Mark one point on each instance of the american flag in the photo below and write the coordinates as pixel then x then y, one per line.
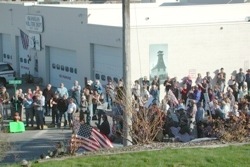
pixel 25 39
pixel 172 97
pixel 89 139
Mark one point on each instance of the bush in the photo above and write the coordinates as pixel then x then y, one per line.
pixel 233 129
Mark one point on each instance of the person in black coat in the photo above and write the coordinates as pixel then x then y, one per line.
pixel 104 126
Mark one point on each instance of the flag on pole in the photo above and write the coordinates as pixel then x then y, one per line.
pixel 90 139
pixel 25 39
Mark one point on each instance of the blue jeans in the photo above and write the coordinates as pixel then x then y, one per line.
pixel 62 115
pixel 29 115
pixel 39 118
pixel 69 118
pixel 109 101
pixel 55 116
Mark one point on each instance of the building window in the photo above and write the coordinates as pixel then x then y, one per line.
pixel 21 59
pixel 53 65
pixel 71 70
pixel 66 68
pixel 62 67
pixel 115 79
pixel 103 77
pixel 97 76
pixel 109 78
pixel 25 60
pixel 58 66
pixel 75 70
pixel 4 55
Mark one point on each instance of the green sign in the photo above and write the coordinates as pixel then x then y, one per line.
pixel 14 82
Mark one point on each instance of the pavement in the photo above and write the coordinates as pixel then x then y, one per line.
pixel 32 143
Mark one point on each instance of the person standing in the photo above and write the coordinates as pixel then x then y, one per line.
pixel 61 91
pixel 55 111
pixel 28 107
pixel 39 110
pixel 5 99
pixel 109 93
pixel 154 92
pixel 146 82
pixel 48 93
pixel 62 105
pixel 70 111
pixel 191 112
pixel 208 79
pixel 89 105
pixel 76 93
pixel 240 78
pixel 248 80
pixel 221 78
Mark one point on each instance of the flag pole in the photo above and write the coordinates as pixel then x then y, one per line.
pixel 127 124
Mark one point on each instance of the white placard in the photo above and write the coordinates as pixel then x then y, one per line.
pixel 34 41
pixel 34 23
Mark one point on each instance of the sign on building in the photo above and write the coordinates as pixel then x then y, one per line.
pixel 34 41
pixel 34 23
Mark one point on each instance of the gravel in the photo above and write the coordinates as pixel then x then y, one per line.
pixel 207 143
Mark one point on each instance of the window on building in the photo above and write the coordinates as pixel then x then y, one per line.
pixel 97 76
pixel 71 70
pixel 4 55
pixel 109 78
pixel 25 60
pixel 21 59
pixel 62 67
pixel 66 68
pixel 58 66
pixel 115 79
pixel 103 77
pixel 53 65
pixel 75 70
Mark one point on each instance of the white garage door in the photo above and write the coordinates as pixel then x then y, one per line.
pixel 107 63
pixel 62 67
pixel 7 52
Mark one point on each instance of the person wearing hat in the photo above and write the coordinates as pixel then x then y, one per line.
pixel 240 78
pixel 248 79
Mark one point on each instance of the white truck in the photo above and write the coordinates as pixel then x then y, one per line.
pixel 6 73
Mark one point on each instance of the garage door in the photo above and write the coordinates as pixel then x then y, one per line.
pixel 62 67
pixel 107 63
pixel 7 52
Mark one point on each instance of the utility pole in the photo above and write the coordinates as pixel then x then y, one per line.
pixel 127 115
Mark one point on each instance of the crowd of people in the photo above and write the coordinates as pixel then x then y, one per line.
pixel 190 103
pixel 194 99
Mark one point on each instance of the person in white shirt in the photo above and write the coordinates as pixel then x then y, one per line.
pixel 70 111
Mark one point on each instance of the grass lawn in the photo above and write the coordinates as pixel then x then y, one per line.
pixel 238 156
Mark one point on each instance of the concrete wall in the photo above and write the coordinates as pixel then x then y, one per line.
pixel 199 48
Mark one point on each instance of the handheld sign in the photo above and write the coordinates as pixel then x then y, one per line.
pixel 15 83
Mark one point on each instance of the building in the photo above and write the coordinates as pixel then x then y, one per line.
pixel 70 42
